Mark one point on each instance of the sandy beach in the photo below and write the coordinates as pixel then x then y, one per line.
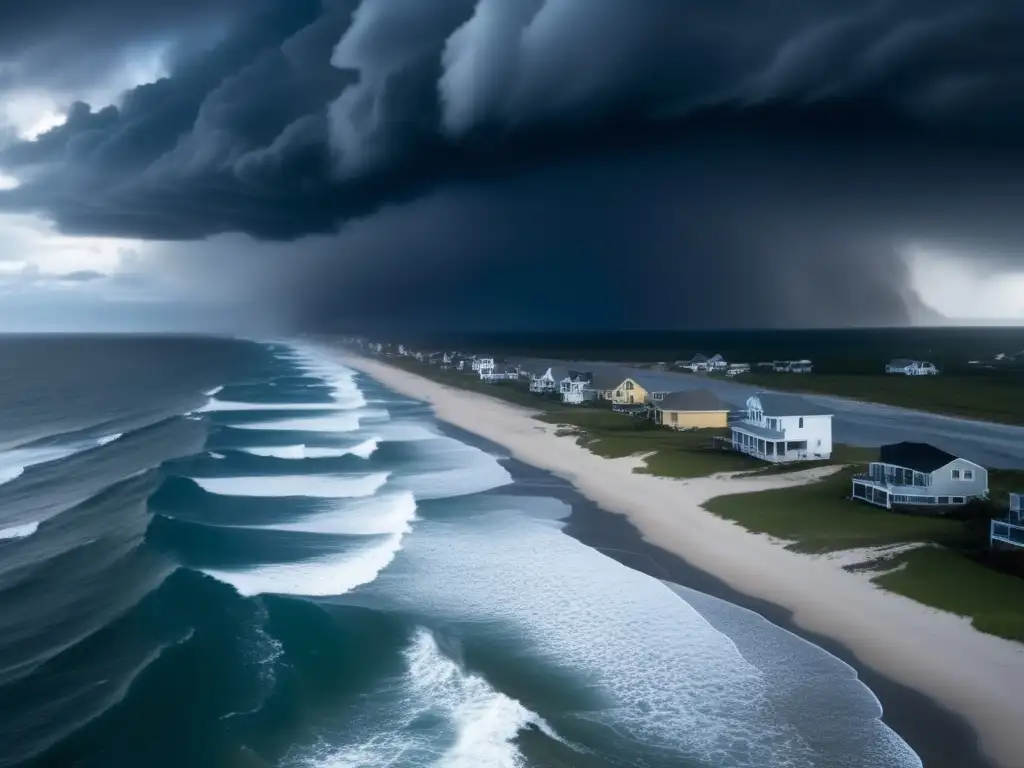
pixel 979 677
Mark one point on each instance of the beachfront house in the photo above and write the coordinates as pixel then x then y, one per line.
pixel 482 365
pixel 792 366
pixel 691 409
pixel 782 428
pixel 601 386
pixel 919 474
pixel 1009 530
pixel 637 390
pixel 575 388
pixel 502 373
pixel 911 367
pixel 696 363
pixel 735 369
pixel 548 381
pixel 717 363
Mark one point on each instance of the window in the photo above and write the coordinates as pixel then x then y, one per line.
pixel 968 474
pixel 675 418
pixel 958 499
pixel 956 474
pixel 943 499
pixel 801 425
pixel 629 385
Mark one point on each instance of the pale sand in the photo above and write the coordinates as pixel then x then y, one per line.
pixel 978 676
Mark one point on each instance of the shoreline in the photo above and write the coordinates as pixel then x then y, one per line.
pixel 902 649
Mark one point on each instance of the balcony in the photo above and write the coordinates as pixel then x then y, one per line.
pixel 893 488
pixel 1008 530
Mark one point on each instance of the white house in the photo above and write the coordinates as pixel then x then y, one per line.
pixel 548 381
pixel 716 363
pixel 919 474
pixel 781 428
pixel 505 374
pixel 575 388
pixel 696 363
pixel 482 365
pixel 735 369
pixel 911 367
pixel 1010 529
pixel 792 366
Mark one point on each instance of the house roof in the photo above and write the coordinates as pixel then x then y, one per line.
pixel 901 362
pixel 603 382
pixel 775 404
pixel 646 382
pixel 699 358
pixel 691 400
pixel 921 457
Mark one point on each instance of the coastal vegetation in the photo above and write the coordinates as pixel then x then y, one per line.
pixel 940 561
pixel 950 568
pixel 982 395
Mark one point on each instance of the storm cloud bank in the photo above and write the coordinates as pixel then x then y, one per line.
pixel 550 153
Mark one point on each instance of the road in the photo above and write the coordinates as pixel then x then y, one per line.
pixel 864 424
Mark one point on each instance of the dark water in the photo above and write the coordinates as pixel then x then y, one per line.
pixel 221 553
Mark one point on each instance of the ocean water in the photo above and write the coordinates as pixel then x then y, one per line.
pixel 220 553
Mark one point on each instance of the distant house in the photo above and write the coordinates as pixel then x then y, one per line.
pixel 716 363
pixel 735 369
pixel 691 409
pixel 792 366
pixel 782 428
pixel 1009 529
pixel 575 388
pixel 696 363
pixel 911 367
pixel 504 373
pixel 483 365
pixel 637 390
pixel 920 474
pixel 548 381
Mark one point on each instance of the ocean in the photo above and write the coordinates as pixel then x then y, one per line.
pixel 229 553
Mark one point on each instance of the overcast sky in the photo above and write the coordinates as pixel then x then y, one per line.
pixel 256 165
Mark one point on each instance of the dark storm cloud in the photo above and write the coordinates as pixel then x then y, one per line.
pixel 306 117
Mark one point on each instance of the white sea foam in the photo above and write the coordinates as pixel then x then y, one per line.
pixel 485 721
pixel 214 455
pixel 363 450
pixel 311 486
pixel 232 405
pixel 323 577
pixel 668 678
pixel 10 473
pixel 13 463
pixel 377 515
pixel 212 392
pixel 19 531
pixel 472 724
pixel 336 422
pixel 109 438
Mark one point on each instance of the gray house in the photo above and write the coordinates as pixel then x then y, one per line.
pixel 918 474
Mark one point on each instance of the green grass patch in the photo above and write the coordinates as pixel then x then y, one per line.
pixel 982 396
pixel 953 582
pixel 818 517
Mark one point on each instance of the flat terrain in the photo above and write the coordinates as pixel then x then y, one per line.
pixel 952 568
pixel 983 396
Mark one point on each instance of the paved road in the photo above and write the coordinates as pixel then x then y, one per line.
pixel 865 424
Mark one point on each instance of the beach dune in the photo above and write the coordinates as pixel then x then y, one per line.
pixel 979 677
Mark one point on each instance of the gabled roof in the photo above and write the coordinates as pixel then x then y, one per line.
pixel 698 358
pixel 775 404
pixel 920 457
pixel 901 362
pixel 691 400
pixel 646 382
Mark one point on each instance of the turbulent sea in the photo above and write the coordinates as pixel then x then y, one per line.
pixel 222 553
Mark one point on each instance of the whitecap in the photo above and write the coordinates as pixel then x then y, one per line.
pixel 10 473
pixel 214 455
pixel 378 515
pixel 323 577
pixel 19 531
pixel 363 450
pixel 109 438
pixel 336 422
pixel 232 405
pixel 310 486
pixel 212 392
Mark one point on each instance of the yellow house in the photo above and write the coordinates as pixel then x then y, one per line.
pixel 692 409
pixel 633 392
